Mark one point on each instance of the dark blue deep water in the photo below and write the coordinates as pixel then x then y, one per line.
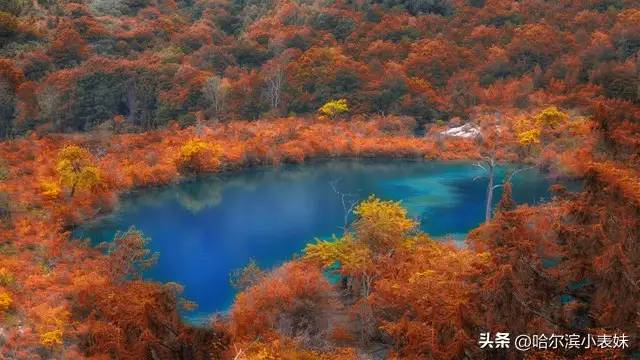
pixel 205 228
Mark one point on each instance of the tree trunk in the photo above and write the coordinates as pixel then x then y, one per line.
pixel 490 188
pixel 73 189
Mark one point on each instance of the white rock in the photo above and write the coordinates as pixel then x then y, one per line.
pixel 464 131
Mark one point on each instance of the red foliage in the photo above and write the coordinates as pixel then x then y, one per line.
pixel 436 60
pixel 68 46
pixel 11 73
pixel 490 63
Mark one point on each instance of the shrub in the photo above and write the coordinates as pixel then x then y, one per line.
pixel 293 300
pixel 334 108
pixel 199 156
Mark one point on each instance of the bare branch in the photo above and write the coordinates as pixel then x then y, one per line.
pixel 480 166
pixel 348 201
pixel 515 172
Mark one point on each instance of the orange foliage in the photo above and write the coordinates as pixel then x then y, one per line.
pixel 75 278
pixel 294 300
pixel 421 296
pixel 494 64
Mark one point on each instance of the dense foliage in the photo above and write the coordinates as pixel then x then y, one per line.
pixel 79 64
pixel 172 88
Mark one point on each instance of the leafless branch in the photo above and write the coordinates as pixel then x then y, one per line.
pixel 516 171
pixel 348 201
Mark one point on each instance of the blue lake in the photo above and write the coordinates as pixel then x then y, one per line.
pixel 206 228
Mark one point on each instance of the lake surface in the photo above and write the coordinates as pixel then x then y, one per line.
pixel 206 228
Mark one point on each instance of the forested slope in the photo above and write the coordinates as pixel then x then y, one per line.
pixel 99 97
pixel 75 65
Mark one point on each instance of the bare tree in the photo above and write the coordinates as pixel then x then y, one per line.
pixel 275 77
pixel 215 91
pixel 488 165
pixel 274 86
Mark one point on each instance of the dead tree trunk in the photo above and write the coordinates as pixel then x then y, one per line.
pixel 488 165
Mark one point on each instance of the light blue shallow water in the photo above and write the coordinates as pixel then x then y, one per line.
pixel 208 227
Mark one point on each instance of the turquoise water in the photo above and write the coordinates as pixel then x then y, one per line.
pixel 206 228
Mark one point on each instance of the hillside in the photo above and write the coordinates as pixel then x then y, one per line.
pixel 103 98
pixel 76 65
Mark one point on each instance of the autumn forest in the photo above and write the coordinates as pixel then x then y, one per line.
pixel 101 99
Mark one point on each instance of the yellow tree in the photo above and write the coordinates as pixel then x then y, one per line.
pixel 530 131
pixel 5 300
pixel 382 224
pixel 380 228
pixel 550 117
pixel 529 137
pixel 333 108
pixel 76 169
